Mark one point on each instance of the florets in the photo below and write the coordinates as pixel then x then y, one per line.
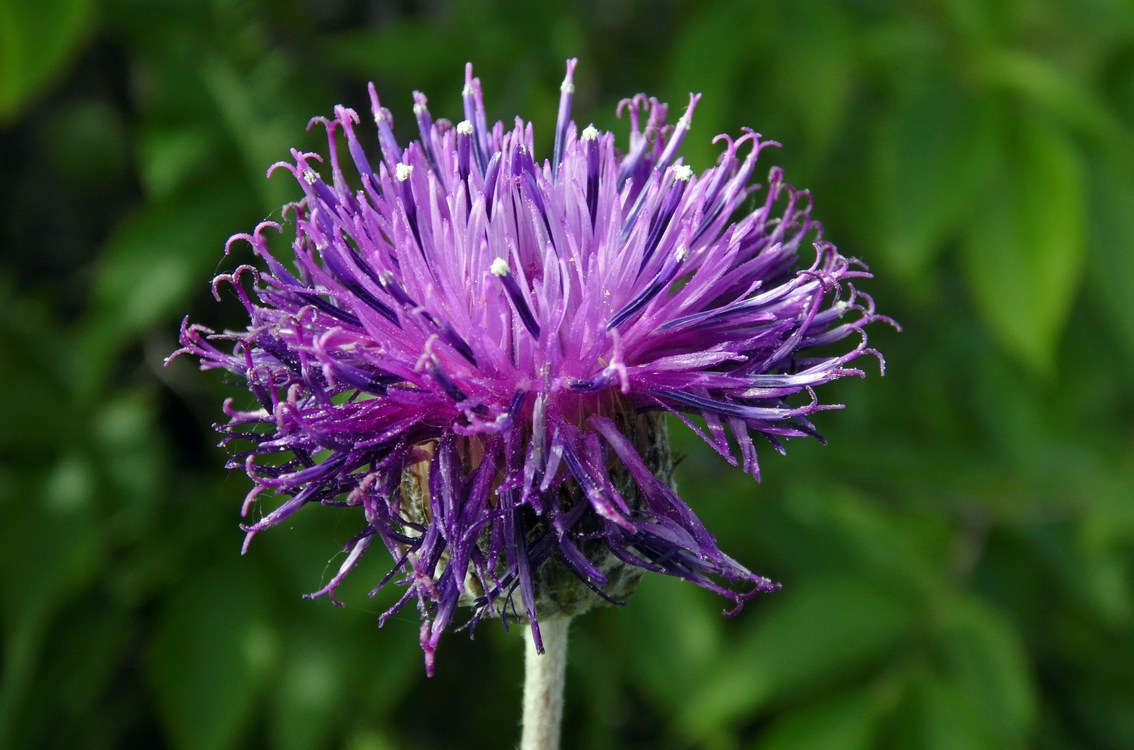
pixel 472 352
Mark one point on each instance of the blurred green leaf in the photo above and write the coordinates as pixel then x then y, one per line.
pixel 410 50
pixel 37 40
pixel 87 649
pixel 847 721
pixel 151 264
pixel 1055 90
pixel 933 154
pixel 1024 248
pixel 669 618
pixel 32 535
pixel 309 692
pixel 370 740
pixel 811 636
pixel 1112 245
pixel 88 144
pixel 211 656
pixel 332 655
pixel 1091 578
pixel 979 24
pixel 1100 700
pixel 254 110
pixel 816 48
pixel 906 551
pixel 171 154
pixel 37 364
pixel 1109 587
pixel 131 449
pixel 938 714
pixel 983 651
pixel 599 670
pixel 38 575
pixel 1109 527
pixel 736 35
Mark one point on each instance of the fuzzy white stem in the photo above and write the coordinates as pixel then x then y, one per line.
pixel 543 684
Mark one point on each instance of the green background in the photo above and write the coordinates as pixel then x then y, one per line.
pixel 958 562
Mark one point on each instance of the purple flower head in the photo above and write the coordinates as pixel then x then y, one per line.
pixel 473 352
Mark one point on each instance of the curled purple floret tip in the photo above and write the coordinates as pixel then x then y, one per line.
pixel 472 351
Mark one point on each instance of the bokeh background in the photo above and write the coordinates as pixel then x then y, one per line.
pixel 958 562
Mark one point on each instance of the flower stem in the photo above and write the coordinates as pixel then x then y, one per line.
pixel 543 684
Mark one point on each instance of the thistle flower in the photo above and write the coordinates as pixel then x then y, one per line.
pixel 472 353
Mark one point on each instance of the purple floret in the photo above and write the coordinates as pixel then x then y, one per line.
pixel 464 347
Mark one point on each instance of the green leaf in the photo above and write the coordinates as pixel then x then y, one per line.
pixel 671 617
pixel 845 529
pixel 37 364
pixel 1054 89
pixel 938 714
pixel 131 450
pixel 335 661
pixel 254 108
pixel 309 692
pixel 37 40
pixel 410 50
pixel 86 143
pixel 39 574
pixel 735 35
pixel 847 721
pixel 88 646
pixel 983 651
pixel 805 638
pixel 817 50
pixel 1091 579
pixel 211 655
pixel 1112 245
pixel 171 154
pixel 933 154
pixel 1023 250
pixel 151 265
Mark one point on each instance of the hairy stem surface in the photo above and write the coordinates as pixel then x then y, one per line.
pixel 543 684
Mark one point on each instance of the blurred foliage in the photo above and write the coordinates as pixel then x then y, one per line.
pixel 958 564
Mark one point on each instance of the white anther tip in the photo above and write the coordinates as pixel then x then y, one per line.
pixel 500 267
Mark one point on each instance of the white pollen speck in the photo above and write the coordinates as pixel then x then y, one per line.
pixel 589 133
pixel 418 109
pixel 467 90
pixel 464 127
pixel 682 172
pixel 681 254
pixel 567 87
pixel 500 267
pixel 683 122
pixel 309 176
pixel 402 171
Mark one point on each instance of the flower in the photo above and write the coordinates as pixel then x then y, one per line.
pixel 473 353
